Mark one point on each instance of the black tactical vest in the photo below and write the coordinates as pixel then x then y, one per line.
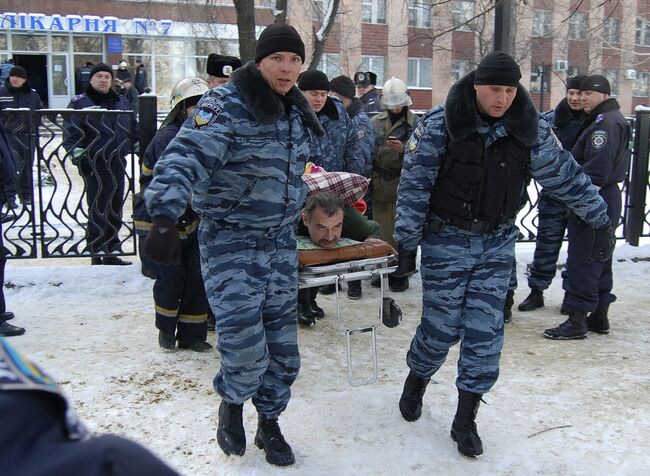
pixel 479 186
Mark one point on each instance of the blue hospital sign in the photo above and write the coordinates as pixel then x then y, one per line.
pixel 114 44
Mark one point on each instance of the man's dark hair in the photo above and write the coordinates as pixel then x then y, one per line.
pixel 326 200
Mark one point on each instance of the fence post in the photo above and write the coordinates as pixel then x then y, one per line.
pixel 147 119
pixel 638 177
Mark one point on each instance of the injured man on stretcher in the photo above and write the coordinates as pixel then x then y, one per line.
pixel 328 224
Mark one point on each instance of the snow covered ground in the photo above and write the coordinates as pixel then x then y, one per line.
pixel 578 407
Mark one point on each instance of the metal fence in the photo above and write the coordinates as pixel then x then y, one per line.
pixel 71 208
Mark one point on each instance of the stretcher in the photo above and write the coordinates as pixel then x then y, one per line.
pixel 324 273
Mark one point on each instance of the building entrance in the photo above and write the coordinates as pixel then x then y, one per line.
pixel 36 67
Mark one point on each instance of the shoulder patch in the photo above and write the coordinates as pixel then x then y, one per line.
pixel 414 140
pixel 361 133
pixel 207 112
pixel 598 139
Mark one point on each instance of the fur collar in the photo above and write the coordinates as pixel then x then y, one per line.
pixel 462 117
pixel 101 98
pixel 329 109
pixel 355 107
pixel 266 105
pixel 563 114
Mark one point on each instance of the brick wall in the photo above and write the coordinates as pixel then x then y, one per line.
pixel 374 39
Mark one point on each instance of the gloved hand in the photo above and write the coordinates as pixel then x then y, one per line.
pixel 604 243
pixel 405 262
pixel 162 243
pixel 81 160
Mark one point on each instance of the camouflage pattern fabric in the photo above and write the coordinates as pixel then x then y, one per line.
pixel 339 149
pixel 553 221
pixel 365 133
pixel 465 275
pixel 241 155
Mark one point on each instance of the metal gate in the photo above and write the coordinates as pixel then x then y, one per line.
pixel 75 183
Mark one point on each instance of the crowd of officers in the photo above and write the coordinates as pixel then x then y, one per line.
pixel 222 195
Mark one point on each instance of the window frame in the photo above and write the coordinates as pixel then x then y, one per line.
pixel 419 75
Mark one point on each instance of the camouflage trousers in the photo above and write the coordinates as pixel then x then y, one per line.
pixel 251 284
pixel 465 278
pixel 551 228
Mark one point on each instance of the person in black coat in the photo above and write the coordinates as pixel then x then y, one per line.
pixel 141 81
pixel 7 179
pixel 98 145
pixel 40 433
pixel 17 94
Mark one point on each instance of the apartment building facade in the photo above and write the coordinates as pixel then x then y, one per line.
pixel 427 43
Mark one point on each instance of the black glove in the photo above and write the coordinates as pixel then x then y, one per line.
pixel 604 243
pixel 162 244
pixel 405 262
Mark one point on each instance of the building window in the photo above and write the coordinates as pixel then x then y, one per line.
pixel 462 14
pixel 373 11
pixel 642 32
pixel 612 77
pixel 420 13
pixel 640 85
pixel 330 64
pixel 537 74
pixel 419 73
pixel 460 68
pixel 542 23
pixel 612 31
pixel 578 26
pixel 376 65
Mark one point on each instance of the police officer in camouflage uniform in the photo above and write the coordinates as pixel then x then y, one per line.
pixel 339 149
pixel 602 150
pixel 342 88
pixel 465 169
pixel 566 121
pixel 240 156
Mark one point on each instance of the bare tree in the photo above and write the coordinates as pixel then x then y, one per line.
pixel 246 27
pixel 280 12
pixel 322 34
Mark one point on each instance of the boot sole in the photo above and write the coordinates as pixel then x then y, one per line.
pixel 260 444
pixel 599 331
pixel 409 418
pixel 528 309
pixel 466 455
pixel 565 338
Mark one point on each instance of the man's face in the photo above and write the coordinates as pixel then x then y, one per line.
pixel 281 70
pixel 591 99
pixel 101 81
pixel 573 99
pixel 323 230
pixel 214 81
pixel 361 89
pixel 396 110
pixel 316 98
pixel 16 81
pixel 494 100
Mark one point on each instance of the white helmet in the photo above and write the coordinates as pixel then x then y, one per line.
pixel 182 90
pixel 394 94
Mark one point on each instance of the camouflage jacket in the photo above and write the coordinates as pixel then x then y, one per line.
pixel 339 149
pixel 242 153
pixel 365 133
pixel 550 165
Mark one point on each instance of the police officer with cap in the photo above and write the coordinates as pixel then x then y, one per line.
pixel 602 150
pixel 466 167
pixel 219 69
pixel 365 83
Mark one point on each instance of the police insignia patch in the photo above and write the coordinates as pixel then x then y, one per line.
pixel 207 113
pixel 361 133
pixel 599 139
pixel 414 141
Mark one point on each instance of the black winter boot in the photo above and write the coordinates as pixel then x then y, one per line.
pixel 313 293
pixel 354 290
pixel 463 430
pixel 410 403
pixel 507 306
pixel 398 285
pixel 166 340
pixel 597 321
pixel 535 300
pixel 575 327
pixel 306 315
pixel 269 438
pixel 230 432
pixel 8 330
